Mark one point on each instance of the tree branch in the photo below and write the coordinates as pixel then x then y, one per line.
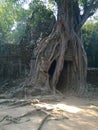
pixel 89 11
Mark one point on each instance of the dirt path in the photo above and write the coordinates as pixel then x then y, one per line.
pixel 49 113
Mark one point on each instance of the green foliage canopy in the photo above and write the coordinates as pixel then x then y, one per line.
pixel 11 12
pixel 90 37
pixel 41 20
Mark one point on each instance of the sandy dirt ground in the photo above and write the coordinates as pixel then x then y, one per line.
pixel 49 113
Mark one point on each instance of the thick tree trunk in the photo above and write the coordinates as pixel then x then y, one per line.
pixel 61 60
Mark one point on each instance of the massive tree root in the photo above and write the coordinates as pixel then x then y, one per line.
pixel 60 63
pixel 61 60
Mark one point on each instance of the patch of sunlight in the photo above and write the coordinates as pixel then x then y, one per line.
pixel 64 107
pixel 45 106
pixel 68 108
pixel 93 112
pixel 93 106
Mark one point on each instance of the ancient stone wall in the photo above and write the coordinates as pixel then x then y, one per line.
pixel 92 76
pixel 11 61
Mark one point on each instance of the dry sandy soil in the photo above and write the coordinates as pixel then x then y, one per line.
pixel 49 113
